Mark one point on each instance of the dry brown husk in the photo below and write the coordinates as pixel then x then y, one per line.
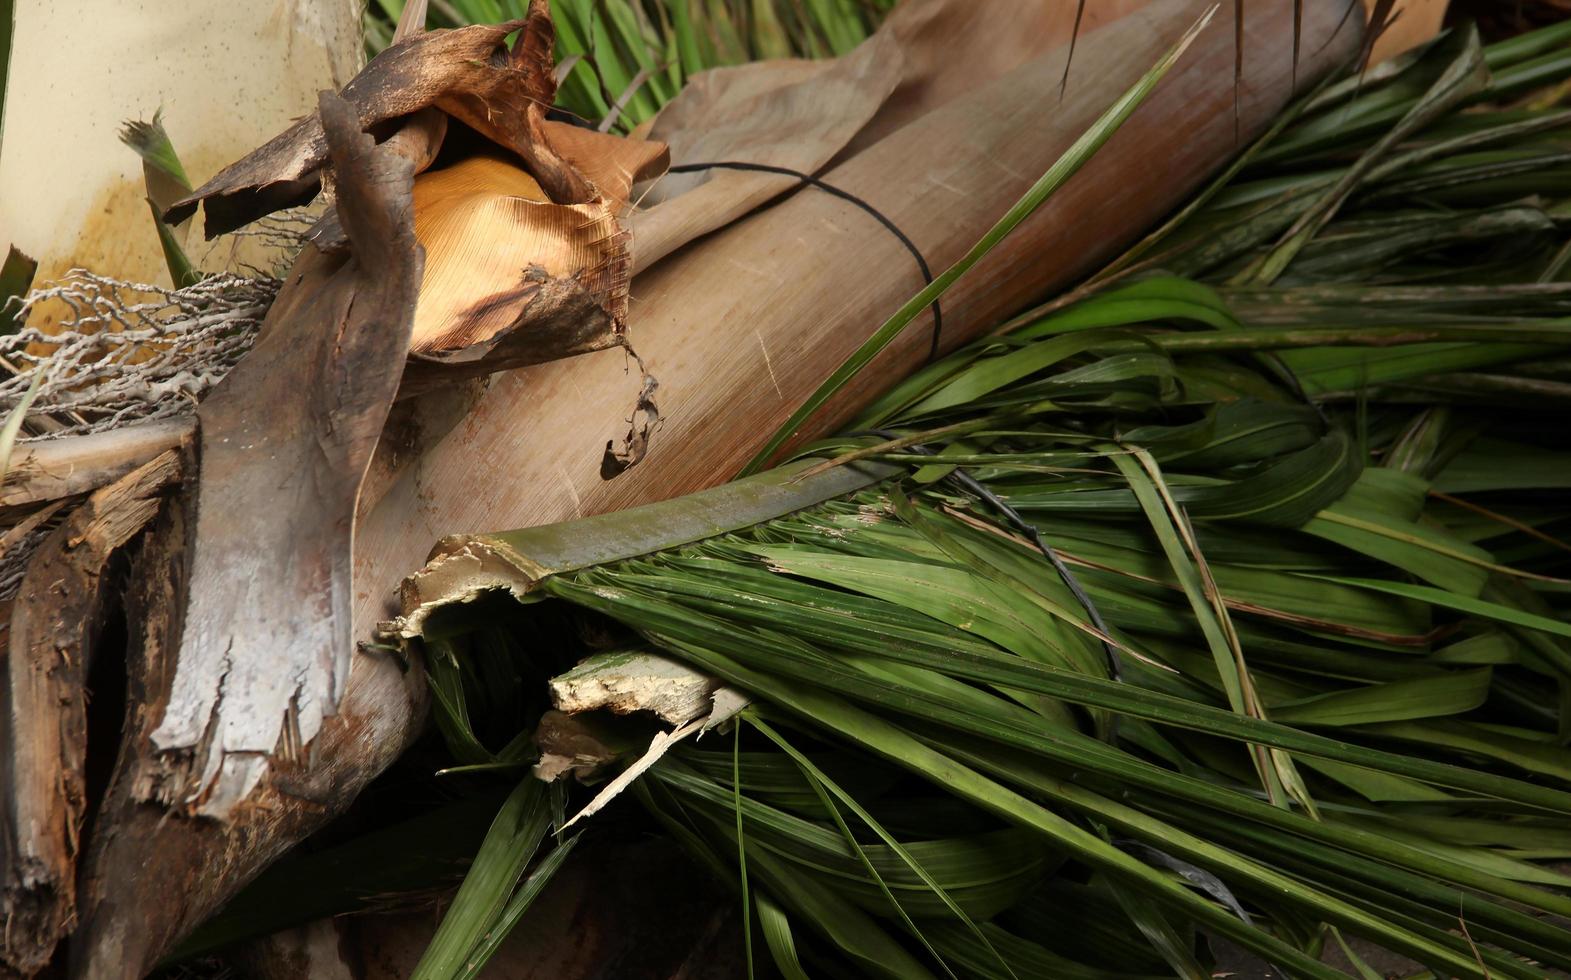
pixel 925 55
pixel 467 217
pixel 484 218
pixel 738 326
pixel 771 112
pixel 422 92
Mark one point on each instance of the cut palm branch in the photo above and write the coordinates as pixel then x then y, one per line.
pixel 1382 572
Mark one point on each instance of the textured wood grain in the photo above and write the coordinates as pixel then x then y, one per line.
pixel 56 621
pixel 60 468
pixel 285 441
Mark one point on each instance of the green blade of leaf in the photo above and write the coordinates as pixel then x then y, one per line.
pixel 482 904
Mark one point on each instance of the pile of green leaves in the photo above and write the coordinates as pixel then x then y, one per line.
pixel 1302 456
pixel 624 59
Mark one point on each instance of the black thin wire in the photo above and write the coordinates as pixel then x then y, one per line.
pixel 847 196
pixel 1011 516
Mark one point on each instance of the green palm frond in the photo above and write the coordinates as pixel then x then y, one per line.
pixel 1281 450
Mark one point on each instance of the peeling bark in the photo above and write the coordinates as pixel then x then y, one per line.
pixel 55 626
pixel 152 872
pixel 285 441
pixel 641 426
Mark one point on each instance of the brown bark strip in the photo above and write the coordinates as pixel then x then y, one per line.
pixel 285 443
pixel 151 871
pixel 55 624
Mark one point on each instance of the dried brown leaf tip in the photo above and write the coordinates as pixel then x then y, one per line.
pixel 519 216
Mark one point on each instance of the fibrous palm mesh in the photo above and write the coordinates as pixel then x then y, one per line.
pixel 128 352
pixel 118 353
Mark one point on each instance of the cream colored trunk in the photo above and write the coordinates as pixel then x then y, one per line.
pixel 70 193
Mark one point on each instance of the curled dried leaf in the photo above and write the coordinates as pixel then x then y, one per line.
pixel 640 426
pixel 526 259
pixel 500 255
pixel 469 73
